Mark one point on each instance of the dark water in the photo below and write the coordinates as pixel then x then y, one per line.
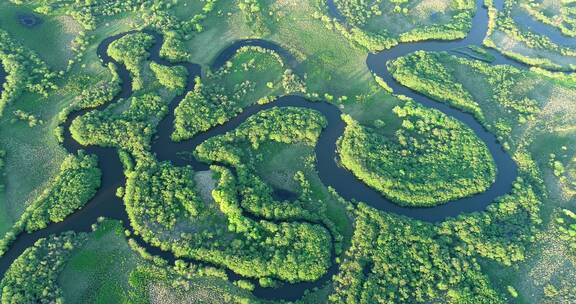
pixel 29 20
pixel 2 77
pixel 106 204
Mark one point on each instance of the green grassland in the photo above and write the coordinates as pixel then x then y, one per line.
pixel 51 39
pixel 98 271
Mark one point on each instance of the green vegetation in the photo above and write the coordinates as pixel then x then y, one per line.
pixel 456 81
pixel 262 211
pixel 253 75
pixel 529 112
pixel 431 159
pixel 567 228
pixel 424 72
pixel 559 14
pixel 77 182
pixel 173 78
pixel 26 72
pixel 290 251
pixel 394 260
pixel 130 130
pixel 76 268
pixel 132 51
pixel 379 25
pixel 98 95
pixel 32 276
pixel 70 190
pixel 512 40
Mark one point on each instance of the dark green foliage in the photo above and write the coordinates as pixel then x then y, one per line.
pixel 363 29
pixel 173 48
pixel 129 129
pixel 132 51
pixel 162 194
pixel 76 183
pixel 290 251
pixel 434 75
pixel 423 72
pixel 26 72
pixel 98 95
pixel 242 81
pixel 286 125
pixel 394 260
pixel 32 277
pixel 504 231
pixel 238 148
pixel 173 78
pixel 431 159
pixel 253 248
pixel 567 228
pixel 74 186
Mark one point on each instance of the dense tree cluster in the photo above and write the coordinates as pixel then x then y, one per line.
pixel 132 51
pixel 161 194
pixel 173 48
pixel 173 78
pixel 240 147
pixel 130 129
pixel 182 223
pixel 97 95
pixel 423 72
pixel 431 159
pixel 253 75
pixel 26 72
pixel 434 75
pixel 224 235
pixel 32 278
pixel 75 184
pixel 359 15
pixel 286 125
pixel 504 231
pixel 394 260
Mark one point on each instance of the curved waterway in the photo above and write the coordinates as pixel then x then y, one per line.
pixel 2 77
pixel 525 20
pixel 106 204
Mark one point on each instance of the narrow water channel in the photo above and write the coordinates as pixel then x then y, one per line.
pixel 106 204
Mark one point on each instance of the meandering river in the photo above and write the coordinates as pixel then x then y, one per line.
pixel 106 204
